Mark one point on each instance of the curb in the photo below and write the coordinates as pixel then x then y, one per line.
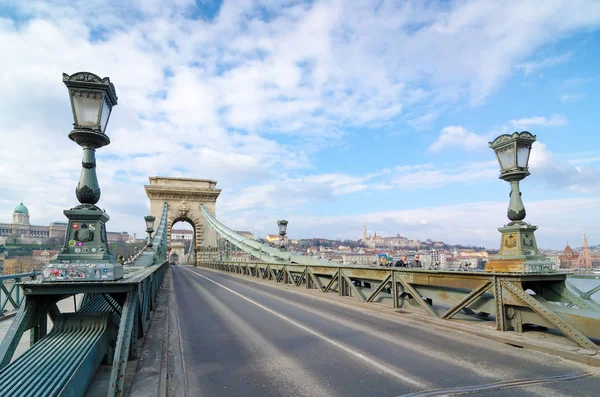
pixel 150 377
pixel 510 338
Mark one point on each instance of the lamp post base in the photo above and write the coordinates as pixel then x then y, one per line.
pixel 518 251
pixel 85 255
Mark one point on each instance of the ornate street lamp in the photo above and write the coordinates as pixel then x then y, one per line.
pixel 149 228
pixel 92 100
pixel 85 255
pixel 282 225
pixel 518 248
pixel 512 152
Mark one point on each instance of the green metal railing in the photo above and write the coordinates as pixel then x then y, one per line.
pixel 11 294
pixel 106 329
pixel 501 297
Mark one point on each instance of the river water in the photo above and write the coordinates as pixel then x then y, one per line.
pixel 586 284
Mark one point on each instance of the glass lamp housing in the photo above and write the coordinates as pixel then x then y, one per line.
pixel 282 224
pixel 523 152
pixel 149 223
pixel 92 100
pixel 512 151
pixel 506 157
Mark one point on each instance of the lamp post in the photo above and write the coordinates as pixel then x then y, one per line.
pixel 149 228
pixel 518 248
pixel 282 225
pixel 85 255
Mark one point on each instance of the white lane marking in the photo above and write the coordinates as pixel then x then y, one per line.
pixel 368 360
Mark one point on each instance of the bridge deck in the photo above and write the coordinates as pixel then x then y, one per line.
pixel 242 337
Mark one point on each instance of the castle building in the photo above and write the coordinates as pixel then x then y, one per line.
pixel 398 241
pixel 21 227
pixel 20 231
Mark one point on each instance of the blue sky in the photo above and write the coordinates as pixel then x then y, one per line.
pixel 330 114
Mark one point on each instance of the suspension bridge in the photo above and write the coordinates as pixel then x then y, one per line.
pixel 281 323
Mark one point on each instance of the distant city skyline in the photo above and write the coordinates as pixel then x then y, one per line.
pixel 321 113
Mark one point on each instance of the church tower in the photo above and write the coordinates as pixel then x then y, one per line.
pixel 364 233
pixel 585 259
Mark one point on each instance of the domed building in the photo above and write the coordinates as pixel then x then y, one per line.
pixel 22 232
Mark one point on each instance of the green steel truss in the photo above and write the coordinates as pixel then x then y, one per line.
pixel 105 329
pixel 512 300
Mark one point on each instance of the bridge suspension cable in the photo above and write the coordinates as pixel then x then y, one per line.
pixel 264 252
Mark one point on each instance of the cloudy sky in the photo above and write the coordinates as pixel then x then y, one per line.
pixel 330 114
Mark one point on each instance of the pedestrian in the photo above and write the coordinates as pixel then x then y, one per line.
pixel 416 262
pixel 402 262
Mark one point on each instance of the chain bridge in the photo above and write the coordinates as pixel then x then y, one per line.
pixel 281 323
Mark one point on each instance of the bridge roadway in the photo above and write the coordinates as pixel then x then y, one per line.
pixel 244 338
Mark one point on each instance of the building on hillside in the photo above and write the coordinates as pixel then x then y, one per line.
pixel 398 241
pixel 21 228
pixel 117 237
pixel 274 238
pixel 43 256
pixel 20 231
pixel 246 234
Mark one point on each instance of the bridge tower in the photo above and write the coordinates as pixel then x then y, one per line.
pixel 184 196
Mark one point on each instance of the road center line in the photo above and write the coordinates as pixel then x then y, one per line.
pixel 346 349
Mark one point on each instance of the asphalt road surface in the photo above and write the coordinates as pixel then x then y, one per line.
pixel 243 338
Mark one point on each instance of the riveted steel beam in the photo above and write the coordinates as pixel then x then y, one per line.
pixel 380 288
pixel 420 300
pixel 550 316
pixel 470 298
pixel 301 278
pixel 316 279
pixel 128 316
pixel 478 291
pixel 355 291
pixel 333 280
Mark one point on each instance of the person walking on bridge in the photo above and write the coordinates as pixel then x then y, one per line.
pixel 416 262
pixel 402 262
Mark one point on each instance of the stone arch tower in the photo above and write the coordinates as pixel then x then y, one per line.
pixel 184 196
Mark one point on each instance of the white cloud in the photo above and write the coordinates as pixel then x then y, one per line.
pixel 459 137
pixel 429 177
pixel 476 223
pixel 571 97
pixel 211 98
pixel 530 67
pixel 567 175
pixel 554 121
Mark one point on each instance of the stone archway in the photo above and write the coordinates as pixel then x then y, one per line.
pixel 178 251
pixel 184 196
